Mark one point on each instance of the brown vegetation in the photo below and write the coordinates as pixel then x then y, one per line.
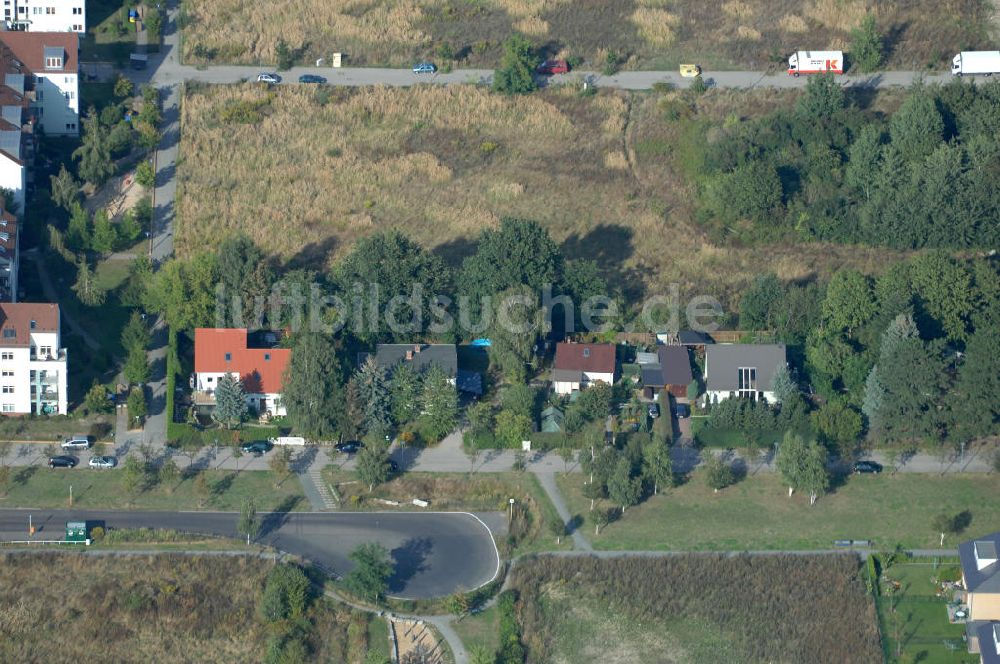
pixel 698 608
pixel 648 33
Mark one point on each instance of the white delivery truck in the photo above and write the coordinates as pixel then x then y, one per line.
pixel 976 62
pixel 816 62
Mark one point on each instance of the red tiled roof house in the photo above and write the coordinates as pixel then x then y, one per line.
pixel 219 351
pixel 578 365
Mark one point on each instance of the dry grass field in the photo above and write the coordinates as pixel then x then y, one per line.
pixel 306 176
pixel 648 33
pixel 162 608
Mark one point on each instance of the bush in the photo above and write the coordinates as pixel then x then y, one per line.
pixel 144 174
pixel 516 73
pixel 866 45
pixel 286 593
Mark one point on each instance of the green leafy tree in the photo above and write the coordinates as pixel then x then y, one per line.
pixel 760 301
pixel 512 428
pixel 144 174
pixel 140 273
pixel 78 230
pixel 657 467
pixel 283 55
pixel 136 405
pixel 623 488
pixel 517 322
pixel 516 73
pixel 802 464
pixel 864 161
pixel 65 189
pixel 94 154
pixel 183 292
pixel 103 240
pixel 373 465
pixel 838 424
pixel 168 474
pixel 373 389
pixel 123 87
pixel 752 191
pixel 286 593
pixel 246 279
pixel 230 402
pixel 405 387
pixel 440 401
pixel 822 100
pixel 783 385
pixel 86 287
pixel 866 45
pixel 96 400
pixel 917 128
pixel 136 333
pixel 944 290
pixel 249 524
pixel 372 569
pixel 975 405
pixel 849 302
pixel 312 391
pixel 480 416
pixel 718 474
pixel 133 475
pixel 593 492
pixel 519 399
pixel 280 465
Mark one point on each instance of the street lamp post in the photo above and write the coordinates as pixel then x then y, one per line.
pixel 511 511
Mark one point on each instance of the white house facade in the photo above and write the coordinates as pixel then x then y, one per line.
pixel 579 365
pixel 742 370
pixel 46 15
pixel 49 63
pixel 33 366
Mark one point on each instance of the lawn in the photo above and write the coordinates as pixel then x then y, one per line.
pixel 54 428
pixel 33 486
pixel 757 514
pixel 642 33
pixel 110 37
pixel 164 608
pixel 918 629
pixel 479 629
pixel 444 163
pixel 695 608
pixel 460 492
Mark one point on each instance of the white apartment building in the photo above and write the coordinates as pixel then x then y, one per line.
pixel 45 15
pixel 48 61
pixel 33 367
pixel 9 256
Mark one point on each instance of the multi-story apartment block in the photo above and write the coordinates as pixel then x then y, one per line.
pixel 48 63
pixel 9 256
pixel 45 15
pixel 33 366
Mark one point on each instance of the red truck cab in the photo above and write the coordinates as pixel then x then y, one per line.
pixel 550 67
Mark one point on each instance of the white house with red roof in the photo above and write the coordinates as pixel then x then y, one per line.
pixel 578 365
pixel 33 370
pixel 261 367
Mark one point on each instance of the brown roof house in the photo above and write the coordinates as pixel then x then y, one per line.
pixel 578 365
pixel 671 372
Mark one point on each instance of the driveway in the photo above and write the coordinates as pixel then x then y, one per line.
pixel 434 554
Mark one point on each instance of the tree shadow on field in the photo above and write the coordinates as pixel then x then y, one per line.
pixel 610 246
pixel 313 255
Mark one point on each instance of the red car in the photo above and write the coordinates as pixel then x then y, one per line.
pixel 550 67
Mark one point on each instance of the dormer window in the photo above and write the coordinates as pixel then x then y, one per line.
pixel 267 357
pixel 9 333
pixel 54 57
pixel 33 325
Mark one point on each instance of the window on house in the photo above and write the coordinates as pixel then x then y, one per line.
pixel 50 10
pixel 7 373
pixel 33 324
pixel 53 63
pixel 8 389
pixel 78 10
pixel 267 357
pixel 9 333
pixel 38 94
pixel 586 352
pixel 747 381
pixel 209 379
pixel 8 408
pixel 6 356
pixel 229 357
pixel 45 350
pixel 71 126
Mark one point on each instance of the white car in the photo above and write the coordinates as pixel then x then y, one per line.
pixel 76 443
pixel 268 77
pixel 103 462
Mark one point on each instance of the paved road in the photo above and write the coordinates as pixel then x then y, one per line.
pixel 434 553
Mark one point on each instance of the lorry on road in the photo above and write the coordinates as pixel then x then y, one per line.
pixel 816 62
pixel 976 62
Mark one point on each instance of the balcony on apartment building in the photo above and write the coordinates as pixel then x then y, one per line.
pixel 47 355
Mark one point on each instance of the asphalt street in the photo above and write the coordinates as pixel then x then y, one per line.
pixel 433 554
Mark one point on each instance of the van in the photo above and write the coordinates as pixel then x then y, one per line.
pixel 76 443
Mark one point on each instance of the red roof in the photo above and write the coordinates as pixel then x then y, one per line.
pixel 261 369
pixel 593 358
pixel 29 48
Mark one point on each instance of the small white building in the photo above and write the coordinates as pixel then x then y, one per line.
pixel 742 370
pixel 578 365
pixel 46 15
pixel 48 62
pixel 33 366
pixel 222 351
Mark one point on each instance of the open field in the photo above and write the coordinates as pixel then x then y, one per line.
pixel 457 491
pixel 33 486
pixel 757 514
pixel 442 164
pixel 164 608
pixel 695 609
pixel 643 33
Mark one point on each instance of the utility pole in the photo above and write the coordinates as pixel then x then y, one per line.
pixel 511 520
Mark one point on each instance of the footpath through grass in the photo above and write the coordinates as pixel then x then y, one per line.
pixel 32 486
pixel 757 514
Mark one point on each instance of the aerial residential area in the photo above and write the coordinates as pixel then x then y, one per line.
pixel 495 332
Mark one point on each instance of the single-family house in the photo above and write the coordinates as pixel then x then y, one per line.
pixel 578 365
pixel 742 370
pixel 419 356
pixel 981 576
pixel 671 372
pixel 987 642
pixel 253 359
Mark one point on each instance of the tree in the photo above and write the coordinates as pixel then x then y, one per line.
pixel 849 302
pixel 373 390
pixel 201 488
pixel 917 128
pixel 864 160
pixel 65 189
pixel 94 154
pixel 280 465
pixel 480 654
pixel 657 466
pixel 838 424
pixel 517 321
pixel 286 593
pixel 600 518
pixel 372 569
pixel 593 492
pixel 373 465
pixel 86 288
pixel 594 403
pixel 866 45
pixel 949 524
pixel 783 385
pixel 472 452
pixel 246 279
pixel 622 487
pixel 248 525
pixel 136 334
pixel 567 454
pixel 183 292
pixel 558 529
pixel 405 389
pixel 440 401
pixel 458 604
pixel 974 402
pixel 123 87
pixel 760 301
pixel 480 415
pixel 718 474
pixel 283 55
pixel 823 98
pixel 133 475
pixel 168 474
pixel 519 399
pixel 516 73
pixel 312 391
pixel 96 400
pixel 144 174
pixel 103 240
pixel 944 293
pixel 230 401
pixel 512 428
pixel 136 405
pixel 752 191
pixel 802 464
pixel 78 229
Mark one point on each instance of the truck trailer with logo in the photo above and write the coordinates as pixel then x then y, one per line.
pixel 816 62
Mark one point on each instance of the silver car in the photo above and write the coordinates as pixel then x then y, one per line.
pixel 76 443
pixel 103 462
pixel 268 77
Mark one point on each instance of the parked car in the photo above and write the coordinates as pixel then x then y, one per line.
pixel 349 446
pixel 76 443
pixel 256 447
pixel 268 77
pixel 682 410
pixel 550 67
pixel 690 71
pixel 62 461
pixel 867 467
pixel 654 410
pixel 312 78
pixel 424 68
pixel 103 462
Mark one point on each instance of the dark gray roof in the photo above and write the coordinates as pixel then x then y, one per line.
pixel 652 375
pixel 54 52
pixel 989 636
pixel 723 362
pixel 442 355
pixel 986 579
pixel 14 82
pixel 12 114
pixel 692 338
pixel 676 365
pixel 566 376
